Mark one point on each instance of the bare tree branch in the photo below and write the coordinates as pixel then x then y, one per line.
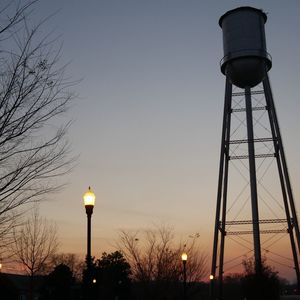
pixel 34 97
pixel 154 255
pixel 35 242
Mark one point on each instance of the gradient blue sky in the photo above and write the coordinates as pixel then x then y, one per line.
pixel 147 124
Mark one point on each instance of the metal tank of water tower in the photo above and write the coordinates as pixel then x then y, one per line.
pixel 246 59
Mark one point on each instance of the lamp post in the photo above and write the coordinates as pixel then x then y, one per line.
pixel 211 286
pixel 89 202
pixel 184 259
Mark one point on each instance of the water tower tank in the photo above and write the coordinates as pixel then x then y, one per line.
pixel 246 59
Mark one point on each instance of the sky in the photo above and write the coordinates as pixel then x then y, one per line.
pixel 147 122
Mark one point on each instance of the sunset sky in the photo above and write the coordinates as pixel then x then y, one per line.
pixel 147 122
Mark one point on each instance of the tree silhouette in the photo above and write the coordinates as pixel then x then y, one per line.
pixel 113 273
pixel 155 260
pixel 264 286
pixel 73 261
pixel 58 284
pixel 34 96
pixel 109 278
pixel 34 243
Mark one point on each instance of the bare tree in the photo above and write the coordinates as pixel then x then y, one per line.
pixel 34 95
pixel 35 242
pixel 155 259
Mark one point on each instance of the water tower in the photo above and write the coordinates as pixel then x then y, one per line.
pixel 251 141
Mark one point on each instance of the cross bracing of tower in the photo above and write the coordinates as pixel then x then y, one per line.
pixel 267 193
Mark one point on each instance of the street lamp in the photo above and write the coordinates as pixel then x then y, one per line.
pixel 211 286
pixel 184 259
pixel 89 202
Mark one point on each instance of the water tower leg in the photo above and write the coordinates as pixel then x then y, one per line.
pixel 253 183
pixel 284 164
pixel 225 129
pixel 225 188
pixel 284 183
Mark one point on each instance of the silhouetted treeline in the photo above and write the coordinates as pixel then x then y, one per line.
pixel 110 278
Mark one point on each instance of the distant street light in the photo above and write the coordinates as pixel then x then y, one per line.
pixel 211 286
pixel 89 202
pixel 184 259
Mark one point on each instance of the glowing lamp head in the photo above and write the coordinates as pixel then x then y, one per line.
pixel 94 280
pixel 89 198
pixel 184 257
pixel 211 277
